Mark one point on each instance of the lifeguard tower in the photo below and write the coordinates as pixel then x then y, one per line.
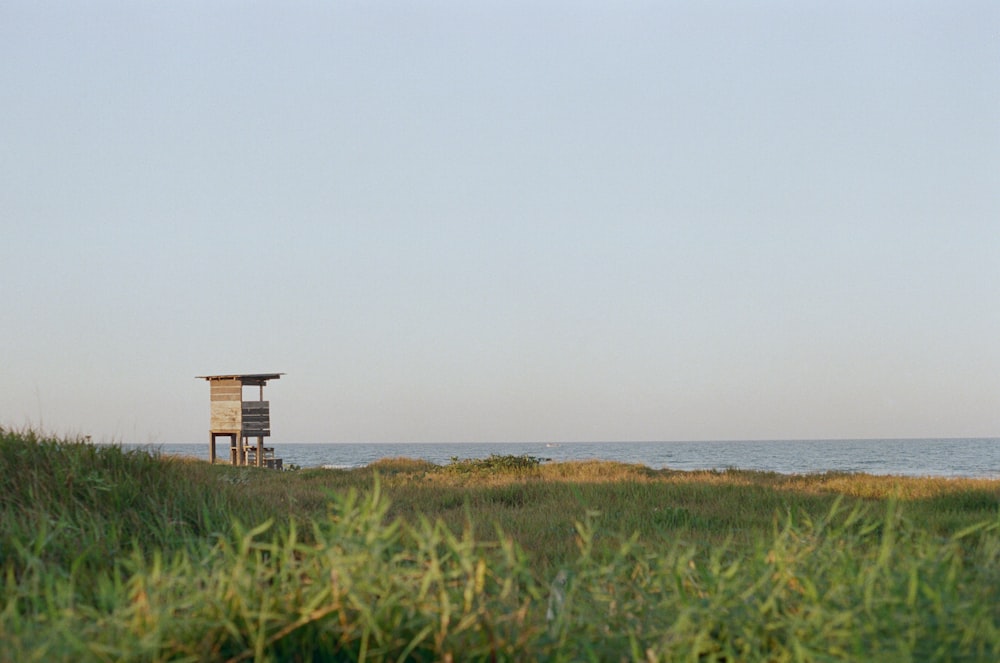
pixel 240 420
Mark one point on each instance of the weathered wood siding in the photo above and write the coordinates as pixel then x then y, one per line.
pixel 226 416
pixel 226 390
pixel 256 418
pixel 226 411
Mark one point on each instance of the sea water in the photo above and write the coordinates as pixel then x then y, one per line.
pixel 950 457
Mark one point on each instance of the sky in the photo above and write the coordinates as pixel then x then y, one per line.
pixel 502 220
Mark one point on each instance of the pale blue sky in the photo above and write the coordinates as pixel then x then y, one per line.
pixel 503 221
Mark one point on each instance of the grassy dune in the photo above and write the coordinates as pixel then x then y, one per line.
pixel 113 555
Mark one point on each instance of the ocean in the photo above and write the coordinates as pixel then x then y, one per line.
pixel 953 457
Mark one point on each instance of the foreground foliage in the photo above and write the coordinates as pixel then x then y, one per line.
pixel 173 561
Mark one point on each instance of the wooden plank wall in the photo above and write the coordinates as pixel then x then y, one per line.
pixel 227 390
pixel 226 416
pixel 256 418
pixel 226 411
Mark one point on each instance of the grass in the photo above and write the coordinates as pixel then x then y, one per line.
pixel 112 555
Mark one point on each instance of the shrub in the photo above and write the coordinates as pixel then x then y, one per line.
pixel 498 463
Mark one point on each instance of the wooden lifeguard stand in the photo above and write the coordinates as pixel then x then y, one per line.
pixel 239 420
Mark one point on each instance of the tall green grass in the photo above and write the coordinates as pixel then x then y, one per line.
pixel 110 555
pixel 70 504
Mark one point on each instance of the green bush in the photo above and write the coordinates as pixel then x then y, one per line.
pixel 494 463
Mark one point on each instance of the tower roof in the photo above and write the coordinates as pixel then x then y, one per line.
pixel 247 379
